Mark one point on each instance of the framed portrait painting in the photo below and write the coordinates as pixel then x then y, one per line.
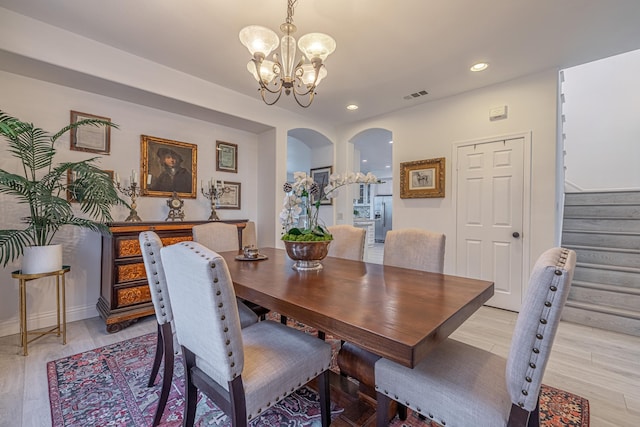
pixel 92 139
pixel 168 166
pixel 422 178
pixel 321 177
pixel 226 157
pixel 230 195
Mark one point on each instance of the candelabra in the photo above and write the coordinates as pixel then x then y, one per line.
pixel 132 191
pixel 213 194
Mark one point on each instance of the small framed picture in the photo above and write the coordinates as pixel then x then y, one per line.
pixel 72 190
pixel 226 157
pixel 231 195
pixel 92 139
pixel 168 166
pixel 422 178
pixel 321 177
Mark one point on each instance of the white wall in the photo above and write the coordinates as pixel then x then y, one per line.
pixel 602 124
pixel 81 247
pixel 430 130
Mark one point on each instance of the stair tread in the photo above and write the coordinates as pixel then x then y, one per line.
pixel 604 309
pixel 608 267
pixel 603 249
pixel 607 287
pixel 613 233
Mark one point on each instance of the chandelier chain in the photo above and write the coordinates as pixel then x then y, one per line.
pixel 291 4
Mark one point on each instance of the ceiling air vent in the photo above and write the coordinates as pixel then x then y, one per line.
pixel 416 94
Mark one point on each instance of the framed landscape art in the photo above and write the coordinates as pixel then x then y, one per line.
pixel 422 178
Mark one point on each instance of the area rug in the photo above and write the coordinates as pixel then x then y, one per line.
pixel 107 386
pixel 558 408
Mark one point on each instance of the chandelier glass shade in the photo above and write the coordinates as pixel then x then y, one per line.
pixel 284 73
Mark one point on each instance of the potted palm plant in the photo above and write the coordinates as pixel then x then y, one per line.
pixel 43 187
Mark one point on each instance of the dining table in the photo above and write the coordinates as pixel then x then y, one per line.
pixel 397 313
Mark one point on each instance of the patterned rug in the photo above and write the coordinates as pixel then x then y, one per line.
pixel 107 386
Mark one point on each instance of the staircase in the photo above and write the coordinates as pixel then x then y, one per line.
pixel 604 230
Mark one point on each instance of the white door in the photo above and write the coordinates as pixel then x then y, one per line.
pixel 489 221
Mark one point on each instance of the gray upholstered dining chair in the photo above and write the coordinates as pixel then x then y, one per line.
pixel 166 347
pixel 412 248
pixel 244 371
pixel 249 234
pixel 222 237
pixel 348 242
pixel 217 236
pixel 461 385
pixel 415 248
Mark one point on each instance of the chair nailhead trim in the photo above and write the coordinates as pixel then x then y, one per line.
pixel 532 365
pixel 547 304
pixel 539 336
pixel 536 350
pixel 213 265
pixel 215 280
pixel 525 392
pixel 558 272
pixel 217 293
pixel 553 288
pixel 543 321
pixel 527 379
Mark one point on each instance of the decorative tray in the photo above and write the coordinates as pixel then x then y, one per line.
pixel 243 258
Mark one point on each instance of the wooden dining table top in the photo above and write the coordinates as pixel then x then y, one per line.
pixel 397 313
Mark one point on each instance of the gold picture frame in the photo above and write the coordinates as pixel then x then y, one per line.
pixel 226 157
pixel 231 197
pixel 168 166
pixel 91 139
pixel 70 188
pixel 422 178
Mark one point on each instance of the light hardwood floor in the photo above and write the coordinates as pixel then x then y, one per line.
pixel 601 366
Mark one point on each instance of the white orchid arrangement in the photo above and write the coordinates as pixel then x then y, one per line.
pixel 297 204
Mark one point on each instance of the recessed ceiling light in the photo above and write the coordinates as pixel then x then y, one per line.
pixel 352 107
pixel 388 166
pixel 390 142
pixel 364 160
pixel 480 66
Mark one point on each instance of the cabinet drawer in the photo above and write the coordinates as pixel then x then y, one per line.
pixel 130 272
pixel 126 248
pixel 133 295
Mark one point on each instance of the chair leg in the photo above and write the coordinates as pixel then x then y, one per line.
pixel 518 417
pixel 157 359
pixel 167 376
pixel 402 412
pixel 534 417
pixel 325 398
pixel 283 319
pixel 382 403
pixel 191 392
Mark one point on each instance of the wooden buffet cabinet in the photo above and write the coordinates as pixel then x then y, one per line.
pixel 124 292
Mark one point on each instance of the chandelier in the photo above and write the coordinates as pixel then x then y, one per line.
pixel 283 73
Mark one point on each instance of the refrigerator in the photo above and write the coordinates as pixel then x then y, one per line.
pixel 382 213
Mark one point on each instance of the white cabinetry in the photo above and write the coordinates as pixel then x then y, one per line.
pixel 369 227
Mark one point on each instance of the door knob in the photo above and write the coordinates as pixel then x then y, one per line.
pixel 516 234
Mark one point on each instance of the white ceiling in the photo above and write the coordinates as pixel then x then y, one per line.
pixel 385 49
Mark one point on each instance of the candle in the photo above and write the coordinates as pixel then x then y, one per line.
pixel 149 179
pixel 135 177
pixel 222 183
pixel 117 178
